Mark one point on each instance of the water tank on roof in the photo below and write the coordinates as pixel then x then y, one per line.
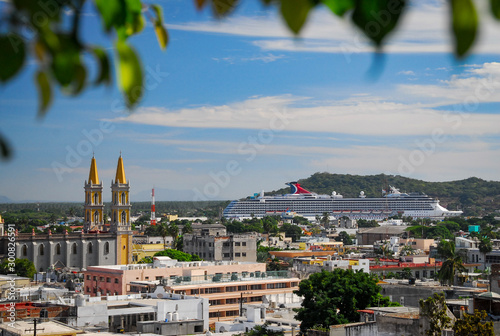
pixel 175 316
pixel 80 300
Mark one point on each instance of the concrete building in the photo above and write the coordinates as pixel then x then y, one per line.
pixel 89 247
pixel 136 312
pixel 48 328
pixel 368 236
pixel 124 279
pixel 305 266
pixel 237 247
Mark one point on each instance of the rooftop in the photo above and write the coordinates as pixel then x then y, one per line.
pixel 24 327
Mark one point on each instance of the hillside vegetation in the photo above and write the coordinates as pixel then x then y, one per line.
pixel 473 195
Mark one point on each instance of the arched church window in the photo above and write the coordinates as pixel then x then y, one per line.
pixel 90 248
pixel 123 198
pixel 41 250
pixel 74 249
pixel 96 198
pixel 124 217
pixel 58 248
pixel 116 198
pixel 106 248
pixel 24 250
pixel 96 217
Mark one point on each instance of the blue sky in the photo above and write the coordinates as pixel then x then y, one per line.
pixel 238 106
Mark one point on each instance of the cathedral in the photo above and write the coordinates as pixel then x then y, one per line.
pixel 99 243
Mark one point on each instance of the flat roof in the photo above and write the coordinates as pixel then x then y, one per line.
pixel 25 327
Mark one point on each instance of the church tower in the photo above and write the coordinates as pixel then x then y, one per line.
pixel 93 207
pixel 120 202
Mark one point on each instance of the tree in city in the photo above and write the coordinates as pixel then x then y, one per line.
pixel 173 231
pixel 452 262
pixel 435 310
pixel 162 230
pixel 335 297
pixel 474 325
pixel 485 246
pixel 21 267
pixel 344 238
pixel 325 219
pixel 177 255
pixel 291 230
pixel 263 330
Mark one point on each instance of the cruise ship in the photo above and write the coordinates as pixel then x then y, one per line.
pixel 307 204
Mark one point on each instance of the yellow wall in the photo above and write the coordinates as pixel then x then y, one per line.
pixel 124 247
pixel 146 250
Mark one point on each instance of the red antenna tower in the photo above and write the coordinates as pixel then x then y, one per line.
pixel 153 214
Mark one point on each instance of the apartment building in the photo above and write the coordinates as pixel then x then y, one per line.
pixel 237 247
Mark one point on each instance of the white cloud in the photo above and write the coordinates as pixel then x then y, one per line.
pixel 407 73
pixel 358 115
pixel 424 29
pixel 262 58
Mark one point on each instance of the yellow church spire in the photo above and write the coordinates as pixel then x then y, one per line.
pixel 93 176
pixel 120 171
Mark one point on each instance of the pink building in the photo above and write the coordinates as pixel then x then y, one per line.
pixel 118 279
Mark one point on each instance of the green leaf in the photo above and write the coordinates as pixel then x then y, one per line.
pixel 339 7
pixel 159 12
pixel 104 66
pixel 495 8
pixel 5 151
pixel 464 25
pixel 222 8
pixel 377 18
pixel 78 80
pixel 12 56
pixel 44 93
pixel 162 35
pixel 130 77
pixel 65 59
pixel 113 12
pixel 295 13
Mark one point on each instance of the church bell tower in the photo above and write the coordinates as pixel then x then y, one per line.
pixel 120 202
pixel 93 208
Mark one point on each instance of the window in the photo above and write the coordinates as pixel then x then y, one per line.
pixel 244 244
pixel 231 289
pixel 116 280
pixel 195 291
pixel 242 288
pixel 106 248
pixel 237 244
pixel 74 248
pixel 123 198
pixel 95 278
pixel 96 198
pixel 244 254
pixel 255 287
pixel 226 255
pixel 101 278
pixel 231 301
pixel 232 313
pixel 212 290
pixel 255 298
pixel 24 251
pixel 108 279
pixel 124 217
pixel 116 198
pixel 88 289
pixel 96 216
pixel 88 277
pixel 89 249
pixel 214 302
pixel 58 248
pixel 237 255
pixel 41 250
pixel 88 198
pixel 88 216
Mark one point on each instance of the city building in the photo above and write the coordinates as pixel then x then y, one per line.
pixel 220 247
pixel 135 278
pixel 45 328
pixel 368 236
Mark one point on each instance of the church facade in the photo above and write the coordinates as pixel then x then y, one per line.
pixel 98 243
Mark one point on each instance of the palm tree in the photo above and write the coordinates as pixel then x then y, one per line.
pixel 163 232
pixel 451 264
pixel 485 246
pixel 173 231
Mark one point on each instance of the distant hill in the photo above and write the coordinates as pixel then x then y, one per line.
pixel 473 195
pixel 5 199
